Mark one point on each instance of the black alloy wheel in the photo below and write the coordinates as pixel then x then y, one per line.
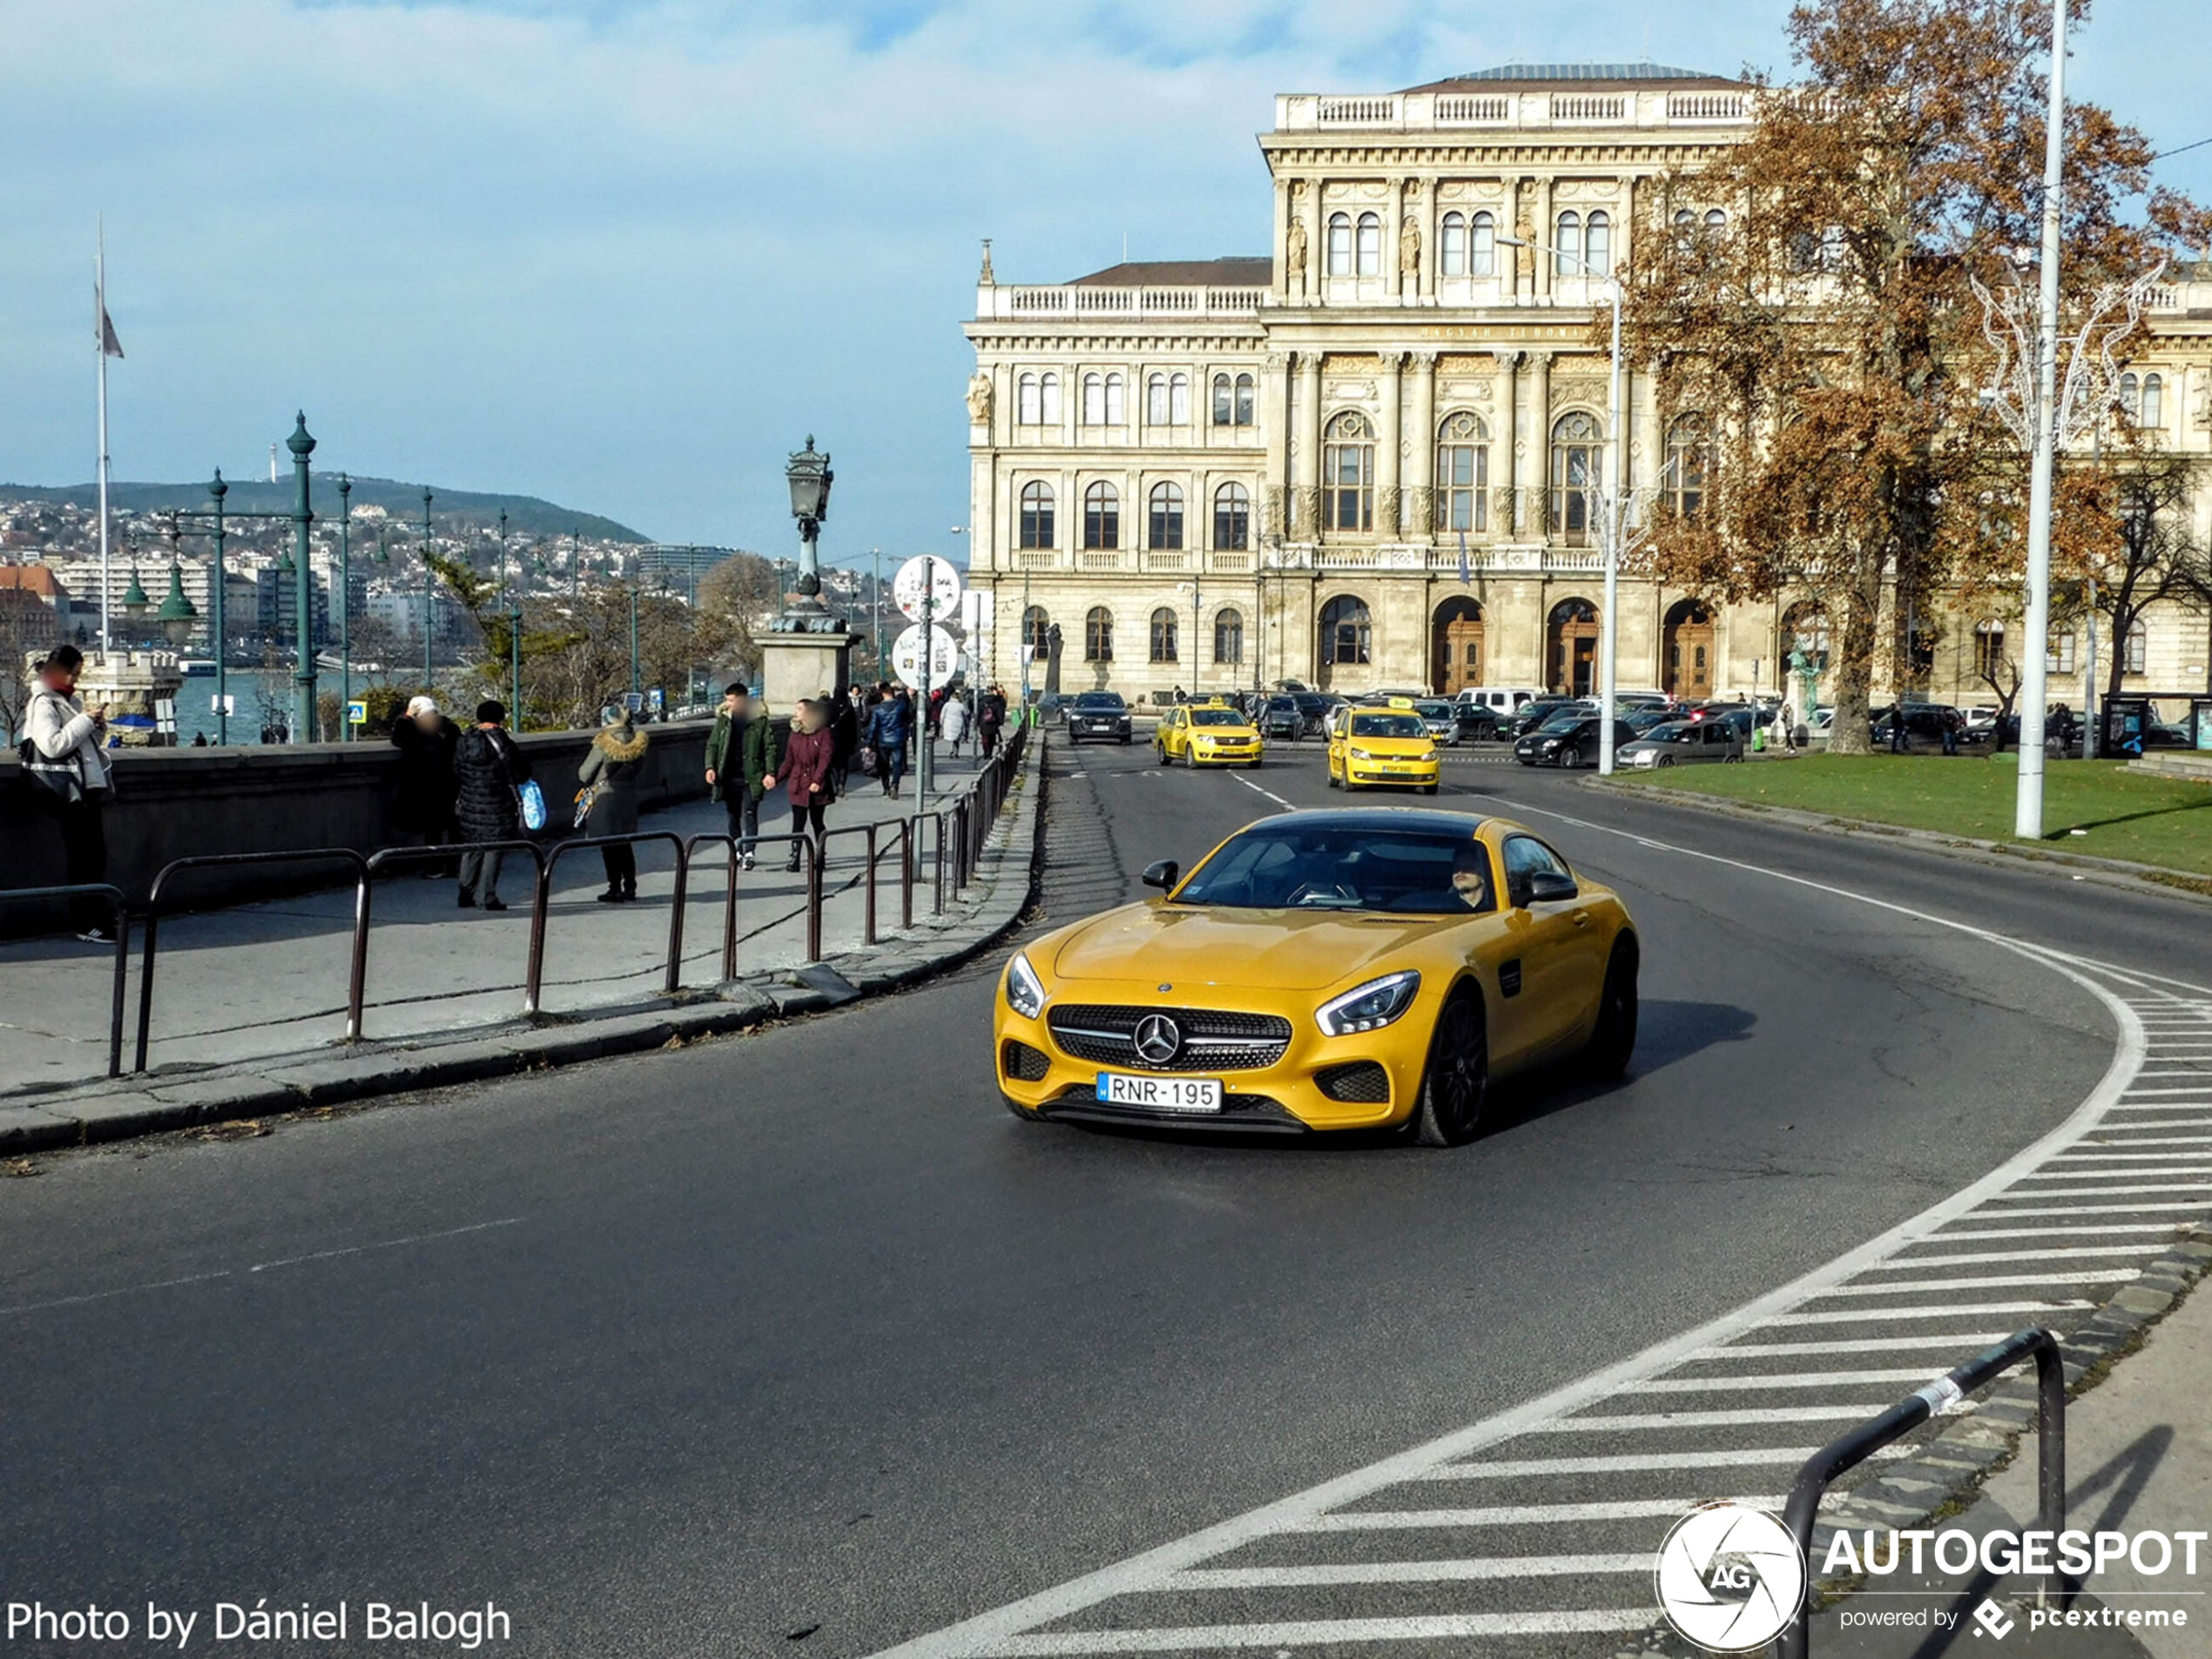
pixel 1449 1112
pixel 1570 758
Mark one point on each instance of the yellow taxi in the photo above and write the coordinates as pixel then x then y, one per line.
pixel 1213 733
pixel 1388 743
pixel 1322 970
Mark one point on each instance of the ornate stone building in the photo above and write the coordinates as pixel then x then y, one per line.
pixel 1371 458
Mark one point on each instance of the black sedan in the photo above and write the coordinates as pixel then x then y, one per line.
pixel 1568 744
pixel 1477 724
pixel 1281 717
pixel 1099 714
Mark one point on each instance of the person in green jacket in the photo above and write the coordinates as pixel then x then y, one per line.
pixel 752 770
pixel 722 745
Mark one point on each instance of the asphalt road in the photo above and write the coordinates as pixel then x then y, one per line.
pixel 798 1343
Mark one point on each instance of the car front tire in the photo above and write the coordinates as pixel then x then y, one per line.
pixel 1570 759
pixel 1457 1080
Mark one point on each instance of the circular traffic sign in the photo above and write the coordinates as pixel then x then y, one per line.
pixel 944 656
pixel 943 579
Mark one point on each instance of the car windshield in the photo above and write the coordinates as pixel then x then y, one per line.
pixel 1563 720
pixel 1309 866
pixel 1111 701
pixel 1433 710
pixel 1281 706
pixel 1216 716
pixel 1676 732
pixel 1388 725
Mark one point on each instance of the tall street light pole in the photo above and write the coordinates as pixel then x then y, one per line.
pixel 345 607
pixel 217 583
pixel 303 518
pixel 2027 811
pixel 1612 527
pixel 503 553
pixel 429 603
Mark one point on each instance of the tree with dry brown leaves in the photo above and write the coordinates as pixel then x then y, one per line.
pixel 1829 332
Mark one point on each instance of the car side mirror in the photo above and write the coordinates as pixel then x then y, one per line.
pixel 1160 873
pixel 1549 886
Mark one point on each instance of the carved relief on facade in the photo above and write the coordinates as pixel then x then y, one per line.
pixel 1420 511
pixel 1471 189
pixel 1386 511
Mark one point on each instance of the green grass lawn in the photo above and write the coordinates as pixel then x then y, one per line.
pixel 2090 806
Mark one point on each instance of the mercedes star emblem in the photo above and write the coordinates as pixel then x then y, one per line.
pixel 1158 1039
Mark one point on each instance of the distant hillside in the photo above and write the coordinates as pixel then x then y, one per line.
pixel 526 515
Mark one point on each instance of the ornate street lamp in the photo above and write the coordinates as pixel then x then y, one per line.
pixel 809 477
pixel 178 615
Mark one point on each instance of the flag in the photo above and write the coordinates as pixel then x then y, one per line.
pixel 1463 552
pixel 110 345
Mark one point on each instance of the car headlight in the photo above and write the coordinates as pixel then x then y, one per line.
pixel 1370 1006
pixel 1024 990
pixel 1426 754
pixel 1550 744
pixel 1361 754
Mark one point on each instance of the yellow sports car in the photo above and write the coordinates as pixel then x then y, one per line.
pixel 1383 745
pixel 1323 970
pixel 1206 734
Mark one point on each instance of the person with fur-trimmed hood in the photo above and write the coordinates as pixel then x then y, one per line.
pixel 613 762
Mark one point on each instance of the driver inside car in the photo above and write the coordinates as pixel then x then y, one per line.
pixel 1471 876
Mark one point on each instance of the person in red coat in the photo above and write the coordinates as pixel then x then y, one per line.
pixel 804 773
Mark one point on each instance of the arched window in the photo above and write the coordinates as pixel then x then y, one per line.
pixel 1597 245
pixel 1348 475
pixel 1482 247
pixel 1228 637
pixel 1164 527
pixel 1244 400
pixel 1574 456
pixel 1462 474
pixel 1682 479
pixel 1027 405
pixel 1224 409
pixel 1340 245
pixel 1989 650
pixel 1163 634
pixel 1452 245
pixel 1049 396
pixel 2135 657
pixel 1346 631
pixel 1155 399
pixel 1716 221
pixel 1684 220
pixel 1093 399
pixel 1233 518
pixel 1114 415
pixel 1101 514
pixel 2153 414
pixel 1036 514
pixel 2131 397
pixel 1178 400
pixel 1370 245
pixel 1567 239
pixel 1098 635
pixel 1036 632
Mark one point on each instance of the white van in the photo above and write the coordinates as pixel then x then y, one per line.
pixel 1500 700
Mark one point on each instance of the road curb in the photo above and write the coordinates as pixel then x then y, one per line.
pixel 2153 880
pixel 990 907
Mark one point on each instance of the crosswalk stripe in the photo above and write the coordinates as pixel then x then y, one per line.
pixel 1509 1514
pixel 1435 1627
pixel 2164 1229
pixel 2090 1276
pixel 1861 1316
pixel 1777 1350
pixel 2019 1256
pixel 1632 1462
pixel 1255 1578
pixel 2189 1205
pixel 1612 1422
pixel 1775 1381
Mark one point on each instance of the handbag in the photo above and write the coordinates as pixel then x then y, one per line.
pixel 871 762
pixel 530 800
pixel 586 797
pixel 63 779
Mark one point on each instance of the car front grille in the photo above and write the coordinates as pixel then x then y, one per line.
pixel 1213 1039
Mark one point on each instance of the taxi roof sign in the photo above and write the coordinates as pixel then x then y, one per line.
pixel 1403 702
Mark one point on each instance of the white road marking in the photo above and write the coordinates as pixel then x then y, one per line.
pixel 2134 1157
pixel 102 1296
pixel 1774 1380
pixel 2096 1275
pixel 1256 1578
pixel 1862 1316
pixel 1777 1350
pixel 1257 790
pixel 1629 1462
pixel 384 1243
pixel 1613 1421
pixel 1509 1514
pixel 2185 1204
pixel 2019 1255
pixel 1309 1632
pixel 2166 1228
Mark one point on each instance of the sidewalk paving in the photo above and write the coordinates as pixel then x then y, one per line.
pixel 249 982
pixel 2139 1459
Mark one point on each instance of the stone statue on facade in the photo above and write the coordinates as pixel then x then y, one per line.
pixel 1409 247
pixel 979 398
pixel 1294 242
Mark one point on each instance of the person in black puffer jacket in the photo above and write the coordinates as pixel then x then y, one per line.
pixel 616 756
pixel 487 768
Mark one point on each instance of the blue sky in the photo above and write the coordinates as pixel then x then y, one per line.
pixel 627 253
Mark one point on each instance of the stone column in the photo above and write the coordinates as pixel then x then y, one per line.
pixel 1420 509
pixel 1271 501
pixel 1647 456
pixel 1389 470
pixel 1309 460
pixel 1431 251
pixel 1540 437
pixel 1505 429
pixel 1544 233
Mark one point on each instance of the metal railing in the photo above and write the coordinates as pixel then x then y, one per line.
pixel 1822 1469
pixel 534 980
pixel 385 858
pixel 751 844
pixel 213 861
pixel 114 896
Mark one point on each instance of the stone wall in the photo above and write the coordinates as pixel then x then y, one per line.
pixel 176 803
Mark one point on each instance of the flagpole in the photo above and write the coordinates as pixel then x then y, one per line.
pixel 99 350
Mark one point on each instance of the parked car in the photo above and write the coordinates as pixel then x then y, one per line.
pixel 1569 743
pixel 1643 720
pixel 1537 710
pixel 1682 743
pixel 1315 707
pixel 1924 723
pixel 1281 717
pixel 1099 714
pixel 1436 714
pixel 1475 723
pixel 1504 701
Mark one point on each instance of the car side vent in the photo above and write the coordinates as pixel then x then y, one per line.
pixel 1026 1064
pixel 1362 1081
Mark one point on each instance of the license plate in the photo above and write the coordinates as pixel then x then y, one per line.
pixel 1161 1094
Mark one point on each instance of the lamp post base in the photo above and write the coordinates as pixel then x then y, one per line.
pixel 799 661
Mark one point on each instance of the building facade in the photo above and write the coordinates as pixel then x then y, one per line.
pixel 1372 456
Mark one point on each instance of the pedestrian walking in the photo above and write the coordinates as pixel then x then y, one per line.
pixel 805 773
pixel 423 802
pixel 489 769
pixel 845 734
pixel 724 745
pixel 888 726
pixel 609 772
pixel 759 753
pixel 988 720
pixel 1951 721
pixel 954 723
pixel 65 754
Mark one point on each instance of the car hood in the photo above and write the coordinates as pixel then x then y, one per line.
pixel 1157 943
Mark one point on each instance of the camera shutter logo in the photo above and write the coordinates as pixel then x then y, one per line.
pixel 1729 1577
pixel 1158 1039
